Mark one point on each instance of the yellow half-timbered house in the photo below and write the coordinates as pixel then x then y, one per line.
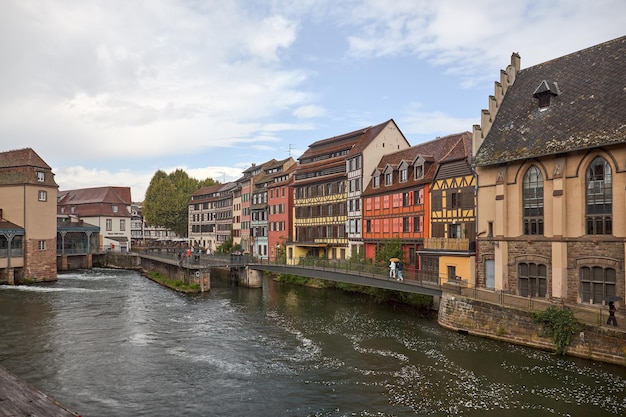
pixel 448 252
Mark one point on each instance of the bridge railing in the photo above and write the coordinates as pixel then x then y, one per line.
pixel 410 274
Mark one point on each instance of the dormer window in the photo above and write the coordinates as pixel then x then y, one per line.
pixel 376 180
pixel 545 92
pixel 419 172
pixel 41 177
pixel 403 174
pixel 389 178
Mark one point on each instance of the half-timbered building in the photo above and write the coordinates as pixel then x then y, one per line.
pixel 322 186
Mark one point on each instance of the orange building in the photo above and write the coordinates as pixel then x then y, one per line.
pixel 396 203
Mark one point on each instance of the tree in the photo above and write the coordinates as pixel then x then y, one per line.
pixel 167 199
pixel 391 248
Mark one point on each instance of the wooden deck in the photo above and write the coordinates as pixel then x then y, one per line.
pixel 19 398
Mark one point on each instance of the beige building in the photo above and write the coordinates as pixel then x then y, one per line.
pixel 551 167
pixel 28 226
pixel 329 181
pixel 108 208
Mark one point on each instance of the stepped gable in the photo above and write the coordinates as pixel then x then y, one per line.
pixel 584 96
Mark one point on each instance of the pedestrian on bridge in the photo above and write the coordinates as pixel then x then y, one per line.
pixel 399 271
pixel 392 269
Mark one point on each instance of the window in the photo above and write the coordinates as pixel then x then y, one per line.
pixel 532 280
pixel 42 245
pixel 454 231
pixel 451 272
pixel 122 224
pixel 599 205
pixel 406 225
pixel 453 200
pixel 114 207
pixel 419 172
pixel 417 223
pixel 376 181
pixel 389 178
pixel 403 175
pixel 405 200
pixel 533 202
pixel 43 196
pixel 596 283
pixel 109 224
pixel 41 176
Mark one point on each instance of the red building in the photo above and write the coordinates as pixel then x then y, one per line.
pixel 396 203
pixel 280 211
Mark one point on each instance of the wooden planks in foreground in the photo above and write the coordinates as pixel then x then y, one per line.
pixel 19 398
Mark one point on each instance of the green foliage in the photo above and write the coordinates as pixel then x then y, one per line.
pixel 560 324
pixel 167 199
pixel 391 248
pixel 378 294
pixel 175 284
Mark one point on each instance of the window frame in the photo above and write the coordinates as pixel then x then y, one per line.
pixel 533 205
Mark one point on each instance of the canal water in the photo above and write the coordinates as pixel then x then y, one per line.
pixel 112 343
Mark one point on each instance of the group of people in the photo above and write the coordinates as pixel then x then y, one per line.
pixel 395 270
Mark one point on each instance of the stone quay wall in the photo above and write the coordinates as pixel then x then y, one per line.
pixel 508 324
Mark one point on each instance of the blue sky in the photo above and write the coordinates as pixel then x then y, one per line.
pixel 108 92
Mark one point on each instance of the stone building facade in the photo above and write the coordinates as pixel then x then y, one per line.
pixel 551 167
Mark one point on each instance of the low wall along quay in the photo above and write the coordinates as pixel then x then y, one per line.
pixel 515 325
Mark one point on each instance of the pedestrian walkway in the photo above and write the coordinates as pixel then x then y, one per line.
pixel 19 398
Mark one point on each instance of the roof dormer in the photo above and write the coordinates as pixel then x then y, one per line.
pixel 545 92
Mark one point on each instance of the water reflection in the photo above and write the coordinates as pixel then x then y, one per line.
pixel 113 343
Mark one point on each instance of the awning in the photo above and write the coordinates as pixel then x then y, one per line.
pixel 118 238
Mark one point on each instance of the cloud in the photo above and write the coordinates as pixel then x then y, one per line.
pixel 474 39
pixel 143 76
pixel 309 111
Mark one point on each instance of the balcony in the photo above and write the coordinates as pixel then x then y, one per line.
pixel 444 243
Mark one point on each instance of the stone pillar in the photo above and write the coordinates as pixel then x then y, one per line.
pixel 250 278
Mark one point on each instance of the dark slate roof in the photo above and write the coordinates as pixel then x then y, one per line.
pixel 587 109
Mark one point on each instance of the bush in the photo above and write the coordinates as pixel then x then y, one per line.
pixel 560 324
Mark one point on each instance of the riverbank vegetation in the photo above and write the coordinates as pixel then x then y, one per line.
pixel 560 324
pixel 174 284
pixel 382 296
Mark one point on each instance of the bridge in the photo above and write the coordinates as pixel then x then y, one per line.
pixel 356 273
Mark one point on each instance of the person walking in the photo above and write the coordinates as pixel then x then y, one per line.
pixel 612 320
pixel 392 269
pixel 399 271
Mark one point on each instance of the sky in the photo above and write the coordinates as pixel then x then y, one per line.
pixel 109 92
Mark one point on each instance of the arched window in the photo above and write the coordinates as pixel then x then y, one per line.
pixel 532 280
pixel 533 202
pixel 596 283
pixel 598 216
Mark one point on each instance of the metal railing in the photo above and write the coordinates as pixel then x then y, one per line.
pixel 14 252
pixel 593 315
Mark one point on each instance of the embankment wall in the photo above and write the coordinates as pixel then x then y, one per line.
pixel 508 324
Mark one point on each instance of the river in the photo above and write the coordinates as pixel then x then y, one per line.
pixel 113 343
